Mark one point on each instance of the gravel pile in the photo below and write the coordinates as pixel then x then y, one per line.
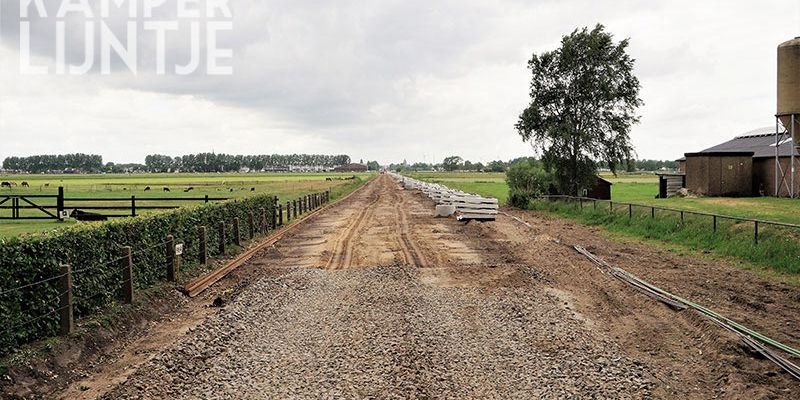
pixel 379 333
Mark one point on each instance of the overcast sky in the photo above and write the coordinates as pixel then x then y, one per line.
pixel 393 80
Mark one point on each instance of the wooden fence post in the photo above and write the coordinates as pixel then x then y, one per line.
pixel 65 321
pixel 263 219
pixel 294 205
pixel 60 201
pixel 127 275
pixel 682 218
pixel 171 275
pixel 280 214
pixel 203 246
pixel 237 233
pixel 289 211
pixel 715 224
pixel 755 232
pixel 222 238
pixel 274 215
pixel 251 225
pixel 630 212
pixel 133 206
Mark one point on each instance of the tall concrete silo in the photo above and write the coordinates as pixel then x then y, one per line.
pixel 788 114
pixel 789 81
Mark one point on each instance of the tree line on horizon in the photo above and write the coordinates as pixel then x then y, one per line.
pixel 202 162
pixel 212 162
pixel 456 163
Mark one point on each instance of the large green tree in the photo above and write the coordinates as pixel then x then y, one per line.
pixel 584 98
pixel 452 163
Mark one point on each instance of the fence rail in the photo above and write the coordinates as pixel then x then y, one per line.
pixel 121 270
pixel 682 213
pixel 48 211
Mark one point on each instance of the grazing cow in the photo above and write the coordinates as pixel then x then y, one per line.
pixel 252 189
pixel 189 189
pixel 166 189
pixel 231 190
pixel 6 184
pixel 46 185
pixel 329 179
pixel 26 184
pixel 147 189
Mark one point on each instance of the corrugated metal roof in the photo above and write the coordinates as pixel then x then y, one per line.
pixel 762 145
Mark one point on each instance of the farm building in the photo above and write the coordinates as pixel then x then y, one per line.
pixel 762 162
pixel 351 168
pixel 743 166
pixel 601 190
pixel 670 183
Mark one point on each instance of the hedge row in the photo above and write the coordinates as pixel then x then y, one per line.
pixel 94 252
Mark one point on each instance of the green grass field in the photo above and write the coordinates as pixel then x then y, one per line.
pixel 284 185
pixel 490 184
pixel 642 189
pixel 778 249
pixel 633 188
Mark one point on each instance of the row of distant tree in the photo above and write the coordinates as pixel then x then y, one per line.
pixel 456 163
pixel 212 162
pixel 203 162
pixel 61 162
pixel 645 165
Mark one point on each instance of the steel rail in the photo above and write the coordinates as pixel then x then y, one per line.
pixel 197 286
pixel 751 337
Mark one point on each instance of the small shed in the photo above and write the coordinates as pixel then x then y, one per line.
pixel 670 183
pixel 601 190
pixel 713 173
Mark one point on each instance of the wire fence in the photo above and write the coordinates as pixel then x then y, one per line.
pixel 714 220
pixel 82 287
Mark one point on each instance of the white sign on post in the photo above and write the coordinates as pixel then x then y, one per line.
pixel 179 249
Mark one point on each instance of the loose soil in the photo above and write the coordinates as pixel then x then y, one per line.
pixel 376 298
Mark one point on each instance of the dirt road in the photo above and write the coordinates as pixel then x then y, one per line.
pixel 375 298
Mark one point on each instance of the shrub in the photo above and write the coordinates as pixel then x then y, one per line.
pixel 94 252
pixel 527 180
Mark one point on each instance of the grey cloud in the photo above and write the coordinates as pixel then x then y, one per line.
pixel 429 71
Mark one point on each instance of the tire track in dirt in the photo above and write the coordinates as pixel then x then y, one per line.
pixel 413 256
pixel 409 306
pixel 342 254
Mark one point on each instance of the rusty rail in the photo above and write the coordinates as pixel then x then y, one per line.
pixel 197 286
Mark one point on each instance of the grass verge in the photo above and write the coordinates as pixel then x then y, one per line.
pixel 778 248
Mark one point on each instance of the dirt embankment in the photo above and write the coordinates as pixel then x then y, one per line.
pixel 690 356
